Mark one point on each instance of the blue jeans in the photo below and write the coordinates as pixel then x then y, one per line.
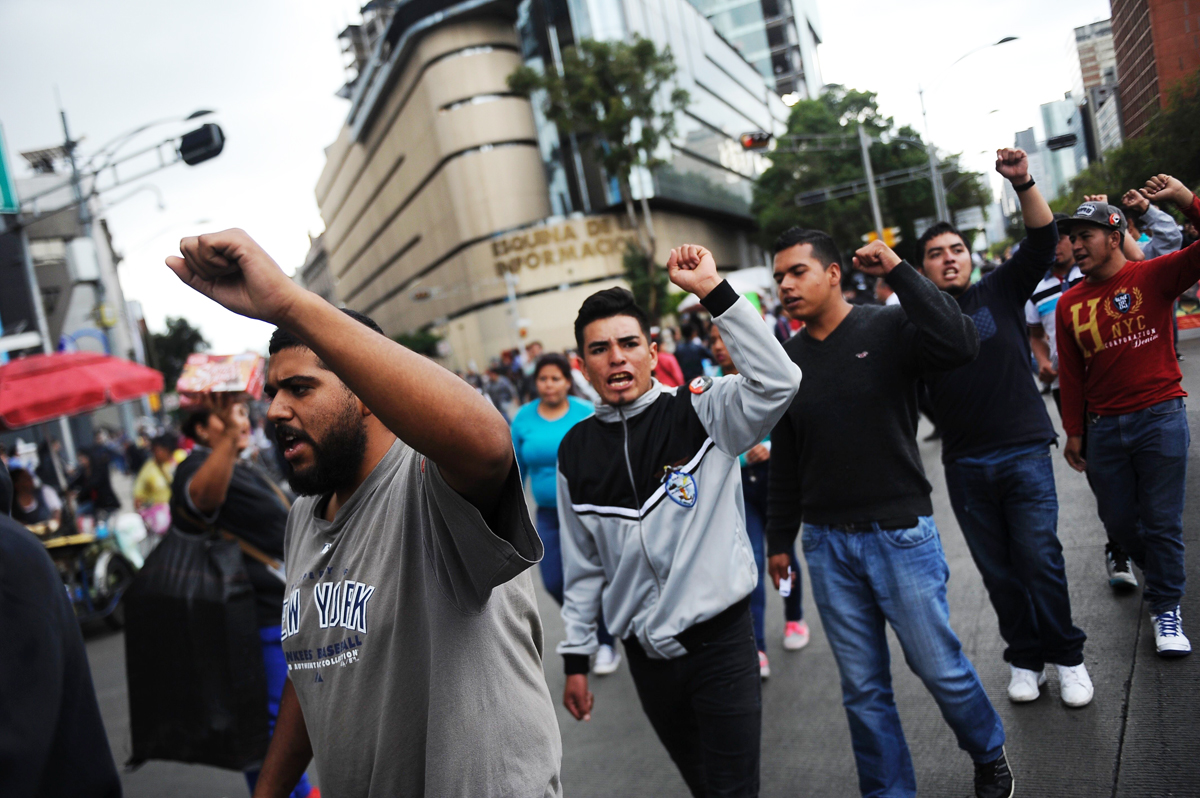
pixel 1138 467
pixel 551 565
pixel 863 580
pixel 276 667
pixel 792 609
pixel 1008 510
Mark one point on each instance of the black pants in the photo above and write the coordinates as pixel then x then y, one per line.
pixel 706 708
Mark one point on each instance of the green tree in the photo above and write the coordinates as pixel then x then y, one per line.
pixel 170 350
pixel 424 341
pixel 1167 147
pixel 611 94
pixel 840 111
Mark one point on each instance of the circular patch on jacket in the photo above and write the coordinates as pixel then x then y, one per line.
pixel 699 386
pixel 681 488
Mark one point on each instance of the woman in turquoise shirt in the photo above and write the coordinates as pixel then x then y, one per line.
pixel 537 430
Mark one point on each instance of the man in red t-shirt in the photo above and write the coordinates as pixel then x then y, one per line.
pixel 1120 381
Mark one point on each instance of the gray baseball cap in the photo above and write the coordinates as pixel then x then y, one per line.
pixel 1101 214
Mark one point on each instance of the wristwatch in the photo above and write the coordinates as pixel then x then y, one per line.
pixel 1025 186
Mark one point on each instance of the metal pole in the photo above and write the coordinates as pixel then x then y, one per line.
pixel 39 313
pixel 510 290
pixel 940 208
pixel 864 144
pixel 85 222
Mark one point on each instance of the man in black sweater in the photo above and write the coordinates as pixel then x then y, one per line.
pixel 996 437
pixel 844 461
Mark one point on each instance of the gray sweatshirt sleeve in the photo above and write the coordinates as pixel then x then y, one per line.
pixel 583 583
pixel 1165 235
pixel 738 411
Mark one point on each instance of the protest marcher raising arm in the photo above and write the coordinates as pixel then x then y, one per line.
pixel 410 544
pixel 425 405
pixel 1117 361
pixel 1165 235
pixel 1180 269
pixel 653 525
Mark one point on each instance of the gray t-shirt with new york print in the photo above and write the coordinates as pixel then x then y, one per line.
pixel 414 643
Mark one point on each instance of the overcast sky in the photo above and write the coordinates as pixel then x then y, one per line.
pixel 270 69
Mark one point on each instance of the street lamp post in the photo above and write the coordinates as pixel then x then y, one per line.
pixel 200 148
pixel 941 206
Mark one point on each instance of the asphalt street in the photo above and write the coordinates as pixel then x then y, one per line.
pixel 1136 739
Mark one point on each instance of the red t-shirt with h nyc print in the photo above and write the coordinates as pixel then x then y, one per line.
pixel 1115 350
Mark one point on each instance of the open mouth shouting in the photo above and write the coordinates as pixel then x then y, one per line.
pixel 292 441
pixel 620 381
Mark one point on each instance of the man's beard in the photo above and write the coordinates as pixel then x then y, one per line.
pixel 337 459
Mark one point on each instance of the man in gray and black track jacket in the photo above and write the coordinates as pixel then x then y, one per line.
pixel 653 525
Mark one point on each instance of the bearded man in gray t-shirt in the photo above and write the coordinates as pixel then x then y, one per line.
pixel 409 624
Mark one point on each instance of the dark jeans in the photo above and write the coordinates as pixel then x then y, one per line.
pixel 1009 516
pixel 551 565
pixel 863 581
pixel 706 708
pixel 1138 466
pixel 792 610
pixel 1113 545
pixel 276 667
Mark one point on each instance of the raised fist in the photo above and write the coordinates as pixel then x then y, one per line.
pixel 1013 165
pixel 693 269
pixel 875 259
pixel 231 269
pixel 1165 187
pixel 1095 198
pixel 1135 201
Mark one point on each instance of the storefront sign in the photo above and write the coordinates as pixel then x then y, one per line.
pixel 566 242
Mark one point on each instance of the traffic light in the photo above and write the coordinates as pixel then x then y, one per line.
pixel 201 144
pixel 758 140
pixel 891 236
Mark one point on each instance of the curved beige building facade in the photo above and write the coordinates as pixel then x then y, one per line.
pixel 437 203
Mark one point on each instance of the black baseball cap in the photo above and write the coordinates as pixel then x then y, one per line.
pixel 1101 214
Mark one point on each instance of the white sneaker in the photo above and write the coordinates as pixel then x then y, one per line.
pixel 1024 684
pixel 795 635
pixel 1074 685
pixel 1169 639
pixel 764 666
pixel 607 661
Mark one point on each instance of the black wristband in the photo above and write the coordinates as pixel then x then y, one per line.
pixel 1025 186
pixel 575 663
pixel 720 299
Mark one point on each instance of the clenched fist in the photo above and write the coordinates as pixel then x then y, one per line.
pixel 231 269
pixel 1013 164
pixel 875 259
pixel 1165 187
pixel 693 269
pixel 1136 201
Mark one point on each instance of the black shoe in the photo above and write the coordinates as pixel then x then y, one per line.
pixel 994 779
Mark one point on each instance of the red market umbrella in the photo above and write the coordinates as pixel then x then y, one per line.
pixel 45 387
